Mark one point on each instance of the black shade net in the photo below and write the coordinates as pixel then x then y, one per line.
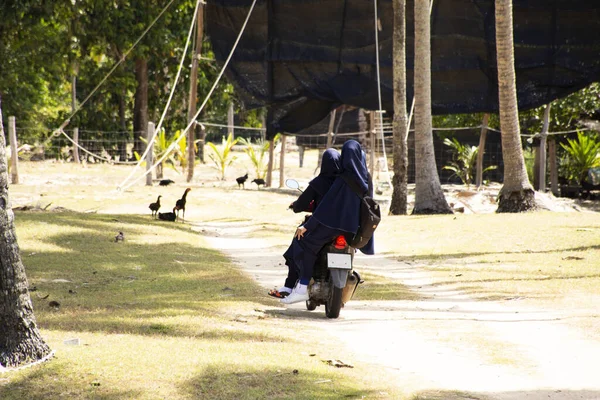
pixel 303 58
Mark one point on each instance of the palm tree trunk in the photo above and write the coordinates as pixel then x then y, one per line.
pixel 399 203
pixel 517 194
pixel 429 197
pixel 20 339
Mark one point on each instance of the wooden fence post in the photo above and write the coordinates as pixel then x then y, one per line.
pixel 372 133
pixel 76 146
pixel 282 160
pixel 150 155
pixel 543 156
pixel 14 152
pixel 271 161
pixel 481 151
pixel 553 167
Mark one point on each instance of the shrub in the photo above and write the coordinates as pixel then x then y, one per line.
pixel 582 154
pixel 464 161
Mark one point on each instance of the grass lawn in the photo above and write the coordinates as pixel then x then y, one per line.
pixel 542 257
pixel 162 316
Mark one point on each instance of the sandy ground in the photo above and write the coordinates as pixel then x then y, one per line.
pixel 450 347
pixel 426 346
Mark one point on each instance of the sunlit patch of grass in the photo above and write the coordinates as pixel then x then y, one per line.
pixel 535 254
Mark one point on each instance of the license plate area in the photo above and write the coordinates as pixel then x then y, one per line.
pixel 339 260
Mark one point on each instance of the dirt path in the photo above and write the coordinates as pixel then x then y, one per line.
pixel 449 347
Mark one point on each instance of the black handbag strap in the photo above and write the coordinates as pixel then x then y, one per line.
pixel 353 185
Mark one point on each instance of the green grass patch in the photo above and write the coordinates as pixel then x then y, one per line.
pixel 160 315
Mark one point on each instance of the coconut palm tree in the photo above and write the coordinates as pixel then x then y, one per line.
pixel 20 339
pixel 429 197
pixel 517 194
pixel 399 204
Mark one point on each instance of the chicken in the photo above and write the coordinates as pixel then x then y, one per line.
pixel 168 216
pixel 155 206
pixel 120 237
pixel 241 180
pixel 165 182
pixel 180 204
pixel 259 181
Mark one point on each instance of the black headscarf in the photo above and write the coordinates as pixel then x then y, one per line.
pixel 340 207
pixel 331 166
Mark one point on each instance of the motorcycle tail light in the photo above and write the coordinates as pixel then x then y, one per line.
pixel 340 242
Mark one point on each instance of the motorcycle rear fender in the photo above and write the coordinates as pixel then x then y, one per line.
pixel 338 277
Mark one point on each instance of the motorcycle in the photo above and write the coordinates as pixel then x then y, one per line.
pixel 334 280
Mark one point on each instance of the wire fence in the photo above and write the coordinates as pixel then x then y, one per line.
pixel 121 146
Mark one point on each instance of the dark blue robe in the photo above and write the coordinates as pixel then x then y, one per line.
pixel 336 214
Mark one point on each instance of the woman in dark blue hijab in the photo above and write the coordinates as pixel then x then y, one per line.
pixel 336 214
pixel 308 202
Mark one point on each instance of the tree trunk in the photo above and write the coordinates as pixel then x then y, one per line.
pixel 20 339
pixel 516 194
pixel 140 108
pixel 191 135
pixel 399 203
pixel 429 197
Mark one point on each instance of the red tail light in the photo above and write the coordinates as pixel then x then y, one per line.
pixel 340 242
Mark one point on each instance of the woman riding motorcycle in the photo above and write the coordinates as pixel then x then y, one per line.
pixel 336 214
pixel 308 202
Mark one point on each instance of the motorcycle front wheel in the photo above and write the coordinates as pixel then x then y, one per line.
pixel 334 303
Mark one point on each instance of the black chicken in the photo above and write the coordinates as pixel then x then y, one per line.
pixel 180 204
pixel 259 181
pixel 241 180
pixel 168 216
pixel 165 182
pixel 155 206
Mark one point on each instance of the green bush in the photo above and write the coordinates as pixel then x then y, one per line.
pixel 464 161
pixel 582 154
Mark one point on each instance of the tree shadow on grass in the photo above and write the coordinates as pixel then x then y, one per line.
pixel 176 289
pixel 238 382
pixel 55 380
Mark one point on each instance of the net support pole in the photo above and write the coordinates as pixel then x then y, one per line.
pixel 150 154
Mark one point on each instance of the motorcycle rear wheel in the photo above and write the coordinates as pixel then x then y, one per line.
pixel 334 303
